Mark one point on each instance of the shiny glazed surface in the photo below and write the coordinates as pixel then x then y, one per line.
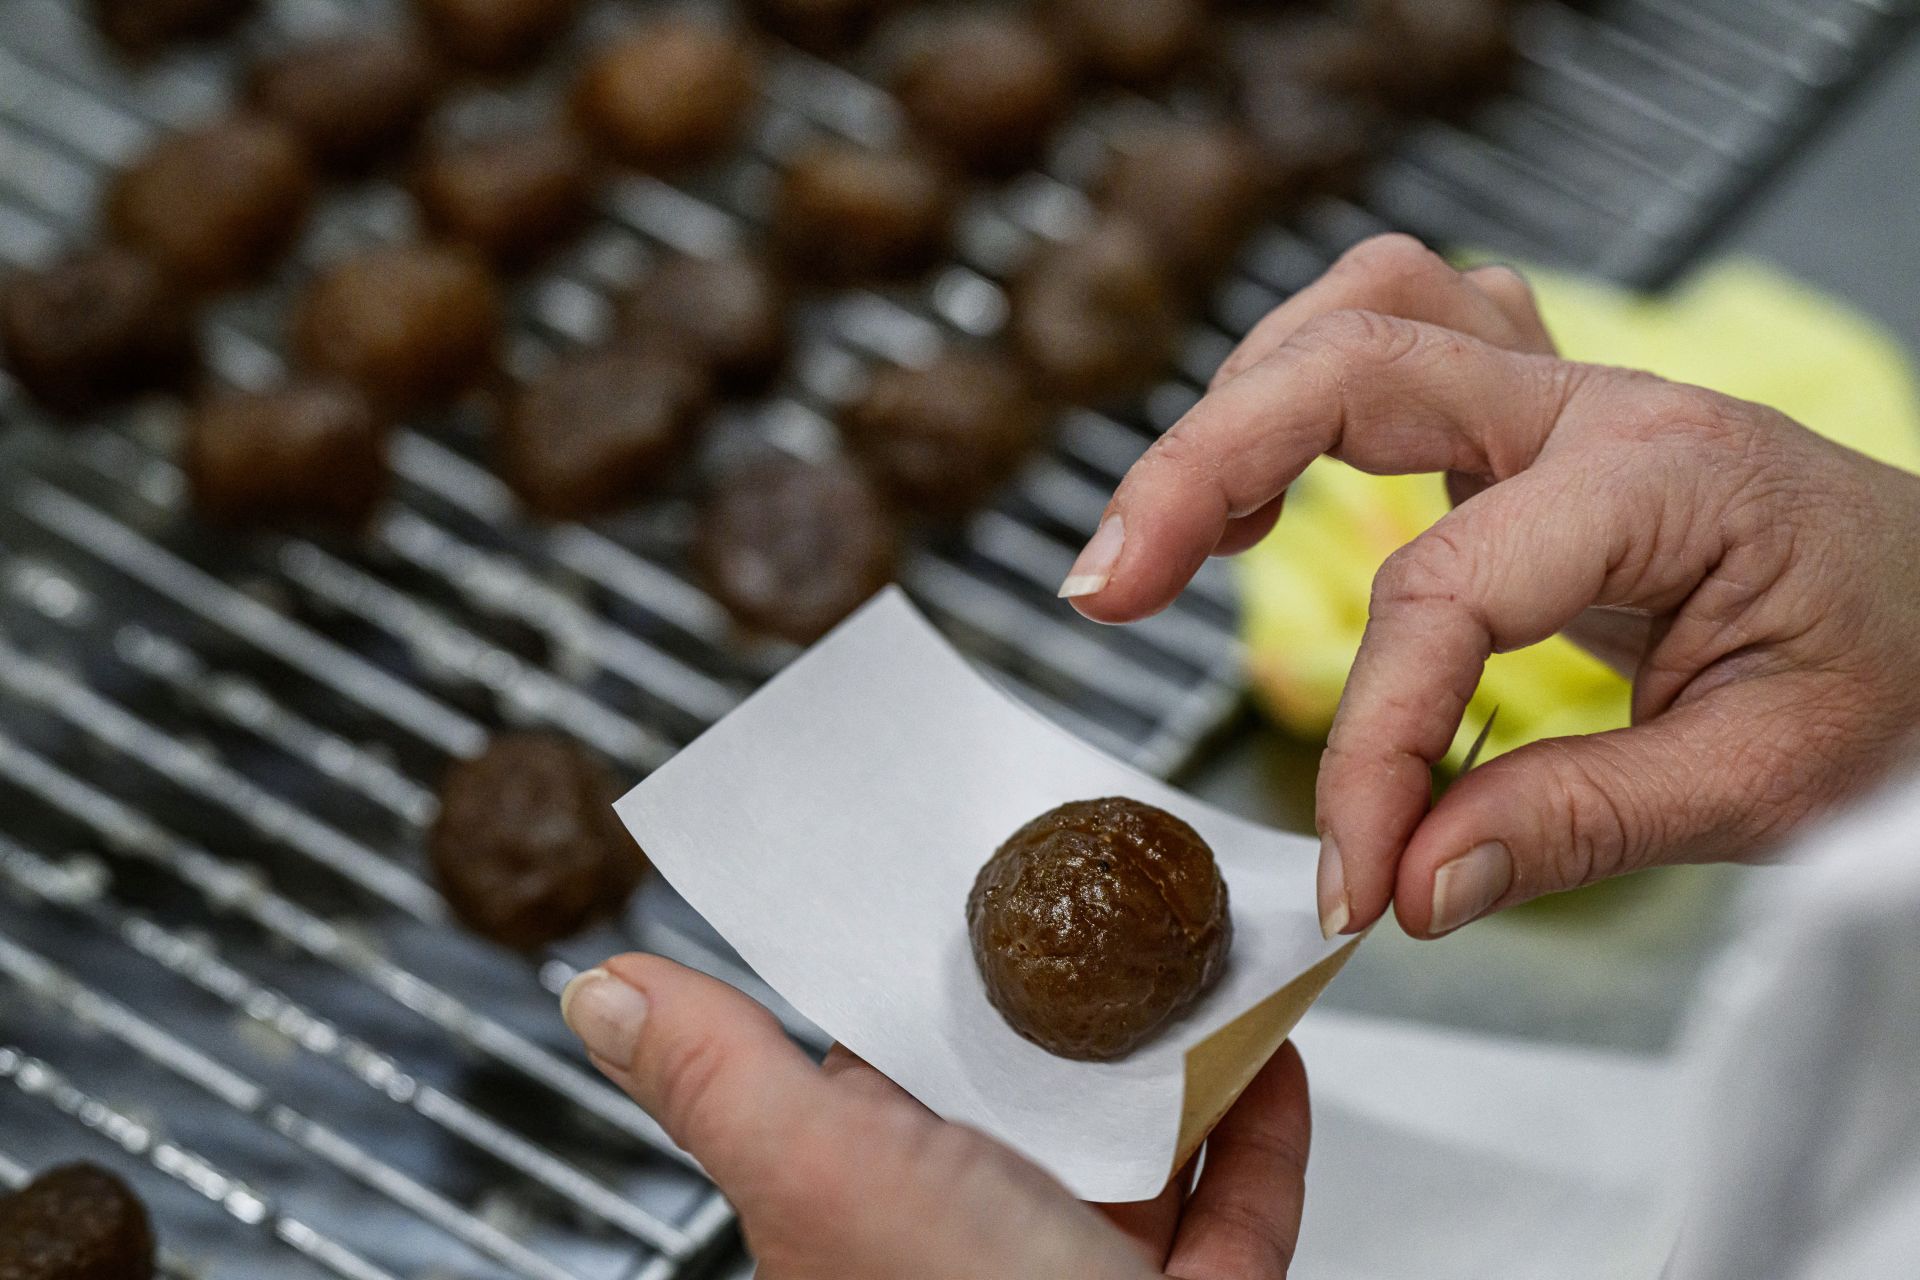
pixel 1096 923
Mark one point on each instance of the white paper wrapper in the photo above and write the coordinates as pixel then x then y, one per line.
pixel 830 829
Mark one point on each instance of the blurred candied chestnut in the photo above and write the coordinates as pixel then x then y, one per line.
pixel 942 438
pixel 1096 316
pixel 217 205
pixel 729 314
pixel 1135 43
pixel 526 847
pixel 96 327
pixel 1311 142
pixel 353 98
pixel 511 196
pixel 495 37
pixel 411 325
pixel 304 454
pixel 1195 189
pixel 75 1222
pixel 597 429
pixel 845 214
pixel 1444 55
pixel 668 95
pixel 819 26
pixel 985 87
pixel 142 28
pixel 792 547
pixel 1329 53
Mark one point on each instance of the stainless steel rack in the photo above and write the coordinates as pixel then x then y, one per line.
pixel 219 966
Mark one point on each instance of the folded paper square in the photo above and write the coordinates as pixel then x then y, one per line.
pixel 830 829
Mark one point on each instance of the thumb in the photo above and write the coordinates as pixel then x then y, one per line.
pixel 711 1065
pixel 1713 778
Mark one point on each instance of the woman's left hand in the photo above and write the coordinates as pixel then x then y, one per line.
pixel 838 1174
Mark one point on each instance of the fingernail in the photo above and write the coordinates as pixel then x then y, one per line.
pixel 1334 911
pixel 605 1013
pixel 1095 566
pixel 1467 886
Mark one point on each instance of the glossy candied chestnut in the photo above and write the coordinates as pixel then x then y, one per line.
pixel 985 87
pixel 728 313
pixel 309 453
pixel 412 326
pixel 1096 317
pixel 596 430
pixel 846 214
pixel 791 547
pixel 943 437
pixel 526 848
pixel 97 327
pixel 75 1222
pixel 1096 923
pixel 495 37
pixel 511 196
pixel 215 206
pixel 671 94
pixel 352 98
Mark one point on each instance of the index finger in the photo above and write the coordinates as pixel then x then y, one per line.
pixel 1398 276
pixel 1384 394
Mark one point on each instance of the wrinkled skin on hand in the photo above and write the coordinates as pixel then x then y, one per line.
pixel 838 1174
pixel 1761 586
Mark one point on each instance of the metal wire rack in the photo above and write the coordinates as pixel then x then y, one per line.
pixel 217 957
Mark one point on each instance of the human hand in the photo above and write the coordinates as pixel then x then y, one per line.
pixel 1761 584
pixel 838 1174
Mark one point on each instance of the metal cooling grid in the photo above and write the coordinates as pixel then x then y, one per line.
pixel 240 981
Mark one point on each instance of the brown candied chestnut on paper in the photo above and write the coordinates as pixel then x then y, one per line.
pixel 95 328
pixel 671 94
pixel 142 28
pixel 412 326
pixel 75 1222
pixel 944 437
pixel 1096 317
pixel 306 454
pixel 845 214
pixel 792 547
pixel 495 37
pixel 526 847
pixel 985 87
pixel 595 430
pixel 215 206
pixel 728 313
pixel 1096 923
pixel 352 99
pixel 512 196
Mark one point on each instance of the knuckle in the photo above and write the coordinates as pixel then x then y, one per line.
pixel 1393 259
pixel 1432 569
pixel 1349 336
pixel 1244 1242
pixel 1183 450
pixel 1602 832
pixel 690 1077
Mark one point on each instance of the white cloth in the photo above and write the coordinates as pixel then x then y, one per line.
pixel 1781 1141
pixel 1804 1157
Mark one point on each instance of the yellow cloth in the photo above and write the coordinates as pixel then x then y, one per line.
pixel 1737 327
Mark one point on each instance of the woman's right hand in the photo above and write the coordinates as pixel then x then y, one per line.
pixel 1761 585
